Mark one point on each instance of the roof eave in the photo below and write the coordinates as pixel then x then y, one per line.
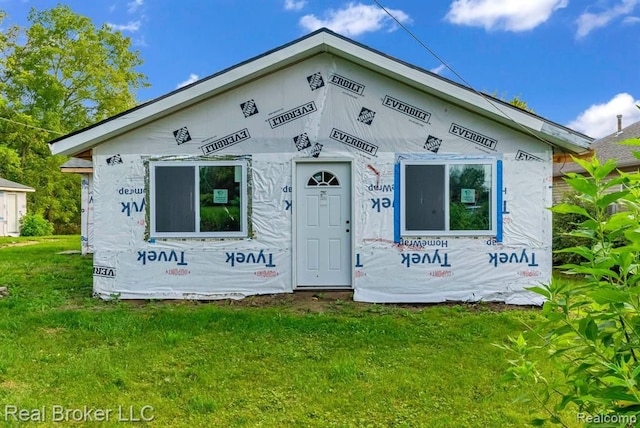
pixel 153 110
pixel 76 170
pixel 461 96
pixel 17 189
pixel 311 45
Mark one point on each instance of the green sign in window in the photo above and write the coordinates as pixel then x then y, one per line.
pixel 467 196
pixel 220 196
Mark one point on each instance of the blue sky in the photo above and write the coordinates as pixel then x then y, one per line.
pixel 574 62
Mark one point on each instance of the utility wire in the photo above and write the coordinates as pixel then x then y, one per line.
pixel 485 97
pixel 31 126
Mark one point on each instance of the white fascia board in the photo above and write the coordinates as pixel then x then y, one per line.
pixel 568 139
pixel 16 189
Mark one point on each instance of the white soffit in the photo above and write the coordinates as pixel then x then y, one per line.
pixel 321 41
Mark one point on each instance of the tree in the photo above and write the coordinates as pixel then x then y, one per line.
pixel 521 104
pixel 60 74
pixel 515 101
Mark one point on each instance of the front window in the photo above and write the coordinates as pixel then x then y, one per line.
pixel 454 197
pixel 198 199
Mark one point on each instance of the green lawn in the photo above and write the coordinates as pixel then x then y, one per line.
pixel 346 365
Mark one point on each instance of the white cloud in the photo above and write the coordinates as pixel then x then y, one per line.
pixel 600 120
pixel 192 78
pixel 587 22
pixel 355 19
pixel 131 26
pixel 294 5
pixel 140 42
pixel 508 15
pixel 439 69
pixel 134 5
pixel 630 20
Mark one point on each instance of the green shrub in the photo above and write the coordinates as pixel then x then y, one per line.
pixel 591 325
pixel 70 228
pixel 35 225
pixel 563 226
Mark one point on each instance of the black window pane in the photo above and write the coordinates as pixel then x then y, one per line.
pixel 424 197
pixel 174 199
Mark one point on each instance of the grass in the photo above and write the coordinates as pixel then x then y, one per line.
pixel 348 365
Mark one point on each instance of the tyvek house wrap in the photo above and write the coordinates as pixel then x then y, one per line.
pixel 339 110
pixel 86 225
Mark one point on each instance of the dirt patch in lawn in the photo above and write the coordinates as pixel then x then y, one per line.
pixel 9 384
pixel 18 244
pixel 324 301
pixel 300 301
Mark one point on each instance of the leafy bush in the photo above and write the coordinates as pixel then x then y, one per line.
pixel 563 226
pixel 591 326
pixel 469 218
pixel 67 229
pixel 35 225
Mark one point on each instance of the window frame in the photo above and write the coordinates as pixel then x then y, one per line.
pixel 447 162
pixel 244 203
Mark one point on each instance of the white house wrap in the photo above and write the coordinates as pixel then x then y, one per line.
pixel 322 164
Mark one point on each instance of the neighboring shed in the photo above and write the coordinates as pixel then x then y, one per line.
pixel 84 167
pixel 323 164
pixel 13 206
pixel 605 149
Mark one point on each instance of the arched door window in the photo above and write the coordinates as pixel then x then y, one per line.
pixel 323 178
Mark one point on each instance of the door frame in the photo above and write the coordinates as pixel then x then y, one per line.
pixel 294 222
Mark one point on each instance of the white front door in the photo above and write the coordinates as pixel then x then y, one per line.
pixel 323 219
pixel 12 213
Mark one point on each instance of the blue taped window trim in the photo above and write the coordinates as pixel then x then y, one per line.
pixel 499 207
pixel 396 203
pixel 397 238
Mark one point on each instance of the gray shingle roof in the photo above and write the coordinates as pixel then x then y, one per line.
pixel 12 185
pixel 607 148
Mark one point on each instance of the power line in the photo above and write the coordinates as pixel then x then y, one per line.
pixel 458 75
pixel 31 126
